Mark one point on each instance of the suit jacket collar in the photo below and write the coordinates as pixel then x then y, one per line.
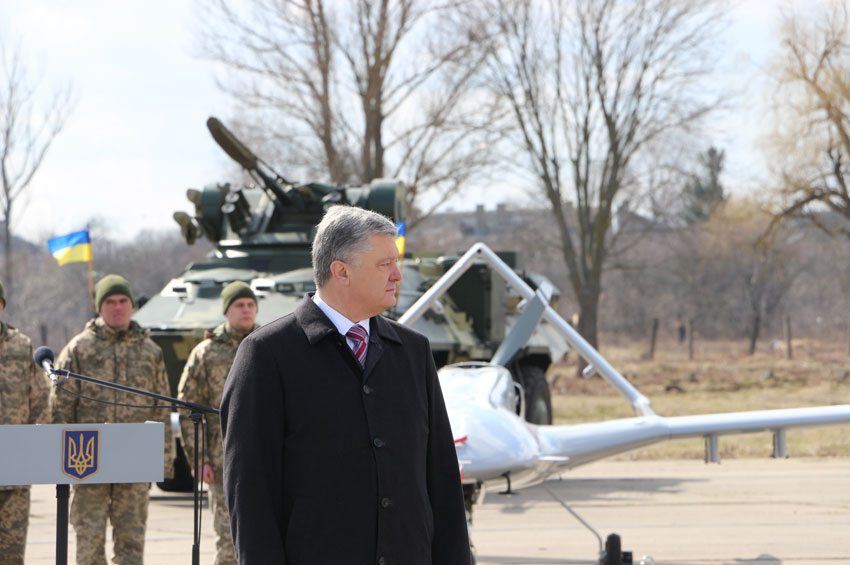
pixel 317 326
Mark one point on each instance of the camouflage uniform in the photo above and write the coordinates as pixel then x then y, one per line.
pixel 129 358
pixel 23 394
pixel 203 382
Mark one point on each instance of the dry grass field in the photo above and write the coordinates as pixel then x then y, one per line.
pixel 721 378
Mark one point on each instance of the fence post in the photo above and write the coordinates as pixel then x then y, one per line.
pixel 652 337
pixel 691 339
pixel 788 352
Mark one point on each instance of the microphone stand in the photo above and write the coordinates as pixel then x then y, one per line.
pixel 196 414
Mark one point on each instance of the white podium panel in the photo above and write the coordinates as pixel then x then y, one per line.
pixel 81 453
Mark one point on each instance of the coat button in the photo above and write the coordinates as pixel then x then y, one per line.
pixel 382 561
pixel 386 502
pixel 367 390
pixel 378 442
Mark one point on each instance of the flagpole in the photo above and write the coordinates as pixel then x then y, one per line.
pixel 91 284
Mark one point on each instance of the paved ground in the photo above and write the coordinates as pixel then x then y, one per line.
pixel 794 511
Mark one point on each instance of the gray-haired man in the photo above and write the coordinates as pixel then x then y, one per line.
pixel 337 446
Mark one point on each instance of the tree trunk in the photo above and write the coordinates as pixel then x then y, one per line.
pixel 378 169
pixel 754 333
pixel 366 157
pixel 8 275
pixel 587 319
pixel 652 337
pixel 788 352
pixel 373 150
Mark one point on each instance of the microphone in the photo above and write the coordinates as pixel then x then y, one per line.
pixel 43 357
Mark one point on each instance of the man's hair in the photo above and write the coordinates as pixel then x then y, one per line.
pixel 342 235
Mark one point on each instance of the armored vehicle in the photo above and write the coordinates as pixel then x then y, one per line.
pixel 262 235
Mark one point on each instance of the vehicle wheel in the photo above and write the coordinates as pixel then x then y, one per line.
pixel 613 553
pixel 538 397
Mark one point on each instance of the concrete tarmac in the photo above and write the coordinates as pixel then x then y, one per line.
pixel 753 511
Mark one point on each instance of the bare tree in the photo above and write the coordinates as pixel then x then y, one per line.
pixel 811 140
pixel 25 137
pixel 592 86
pixel 741 258
pixel 772 273
pixel 357 91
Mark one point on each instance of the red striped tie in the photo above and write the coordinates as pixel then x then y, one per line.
pixel 358 335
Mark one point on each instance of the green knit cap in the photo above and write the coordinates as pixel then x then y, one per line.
pixel 109 285
pixel 3 294
pixel 236 289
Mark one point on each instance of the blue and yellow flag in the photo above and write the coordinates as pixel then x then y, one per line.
pixel 72 248
pixel 399 240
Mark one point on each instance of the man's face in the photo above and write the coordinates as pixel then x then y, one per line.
pixel 241 314
pixel 374 276
pixel 116 311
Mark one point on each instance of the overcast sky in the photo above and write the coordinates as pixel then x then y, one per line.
pixel 137 137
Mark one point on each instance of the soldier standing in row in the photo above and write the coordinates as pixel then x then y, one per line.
pixel 113 348
pixel 23 394
pixel 203 382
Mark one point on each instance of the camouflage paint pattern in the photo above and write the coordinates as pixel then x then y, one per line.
pixel 126 506
pixel 14 520
pixel 202 382
pixel 129 358
pixel 23 397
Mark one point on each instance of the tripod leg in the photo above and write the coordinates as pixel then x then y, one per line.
pixel 196 418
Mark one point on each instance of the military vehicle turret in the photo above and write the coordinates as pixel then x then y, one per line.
pixel 262 235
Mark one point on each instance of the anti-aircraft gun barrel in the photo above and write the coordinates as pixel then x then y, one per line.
pixel 250 162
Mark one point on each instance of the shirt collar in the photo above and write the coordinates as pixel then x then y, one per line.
pixel 339 321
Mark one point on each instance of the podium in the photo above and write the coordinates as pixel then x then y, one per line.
pixel 107 453
pixel 76 454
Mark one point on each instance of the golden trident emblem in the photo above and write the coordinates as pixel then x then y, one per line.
pixel 80 459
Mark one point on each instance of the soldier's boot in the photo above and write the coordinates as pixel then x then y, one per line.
pixel 128 512
pixel 88 516
pixel 14 519
pixel 224 552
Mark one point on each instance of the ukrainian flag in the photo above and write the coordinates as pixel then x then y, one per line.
pixel 72 248
pixel 399 240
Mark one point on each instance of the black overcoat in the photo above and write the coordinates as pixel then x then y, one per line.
pixel 328 463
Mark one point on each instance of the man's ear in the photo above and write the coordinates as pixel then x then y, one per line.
pixel 339 271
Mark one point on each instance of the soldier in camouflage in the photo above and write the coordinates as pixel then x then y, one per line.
pixel 113 348
pixel 23 395
pixel 202 382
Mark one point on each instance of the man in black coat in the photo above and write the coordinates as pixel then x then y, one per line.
pixel 337 445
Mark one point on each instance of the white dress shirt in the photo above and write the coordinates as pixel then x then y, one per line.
pixel 341 323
